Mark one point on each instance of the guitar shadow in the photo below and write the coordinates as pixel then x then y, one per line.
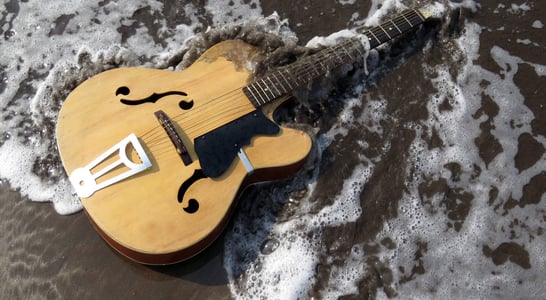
pixel 206 268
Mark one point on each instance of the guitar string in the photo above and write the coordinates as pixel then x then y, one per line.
pixel 157 130
pixel 161 144
pixel 333 50
pixel 163 139
pixel 309 71
pixel 303 74
pixel 234 110
pixel 186 117
pixel 227 98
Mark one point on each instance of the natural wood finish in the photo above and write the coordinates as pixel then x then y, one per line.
pixel 141 216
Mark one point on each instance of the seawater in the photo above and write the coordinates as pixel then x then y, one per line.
pixel 48 49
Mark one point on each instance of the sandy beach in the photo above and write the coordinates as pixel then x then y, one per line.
pixel 487 197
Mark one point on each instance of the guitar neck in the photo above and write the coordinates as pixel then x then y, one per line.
pixel 288 78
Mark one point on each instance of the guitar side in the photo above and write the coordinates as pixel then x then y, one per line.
pixel 169 211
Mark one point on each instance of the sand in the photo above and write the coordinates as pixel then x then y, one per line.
pixel 47 255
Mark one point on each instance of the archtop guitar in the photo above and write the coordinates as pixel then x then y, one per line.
pixel 158 158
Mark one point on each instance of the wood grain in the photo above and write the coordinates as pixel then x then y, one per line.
pixel 141 216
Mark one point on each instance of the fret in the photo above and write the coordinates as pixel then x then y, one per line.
pixel 390 38
pixel 278 92
pixel 266 90
pixel 336 59
pixel 300 72
pixel 311 69
pixel 402 25
pixel 370 34
pixel 340 54
pixel 416 17
pixel 404 17
pixel 292 73
pixel 270 92
pixel 285 90
pixel 390 30
pixel 314 68
pixel 250 95
pixel 284 77
pixel 419 15
pixel 399 31
pixel 381 34
pixel 347 51
pixel 346 54
pixel 326 59
pixel 304 74
pixel 307 70
pixel 324 68
pixel 264 101
pixel 358 47
pixel 309 73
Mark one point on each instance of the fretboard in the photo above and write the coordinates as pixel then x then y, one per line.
pixel 286 79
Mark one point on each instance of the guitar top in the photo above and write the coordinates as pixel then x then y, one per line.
pixel 159 158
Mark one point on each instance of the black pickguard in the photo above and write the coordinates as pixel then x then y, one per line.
pixel 217 149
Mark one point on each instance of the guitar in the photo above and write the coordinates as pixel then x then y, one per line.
pixel 158 158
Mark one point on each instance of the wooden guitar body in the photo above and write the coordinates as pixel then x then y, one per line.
pixel 171 210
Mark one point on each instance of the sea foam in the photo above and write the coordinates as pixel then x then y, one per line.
pixel 60 48
pixel 454 258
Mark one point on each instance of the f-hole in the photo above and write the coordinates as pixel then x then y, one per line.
pixel 192 207
pixel 185 105
pixel 123 91
pixel 153 98
pixel 193 204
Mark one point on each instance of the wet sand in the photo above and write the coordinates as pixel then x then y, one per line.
pixel 52 256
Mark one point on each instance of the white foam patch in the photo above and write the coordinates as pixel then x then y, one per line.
pixel 517 8
pixel 468 4
pixel 331 40
pixel 347 2
pixel 454 261
pixel 286 271
pixel 228 11
pixel 538 24
pixel 32 184
pixel 379 9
